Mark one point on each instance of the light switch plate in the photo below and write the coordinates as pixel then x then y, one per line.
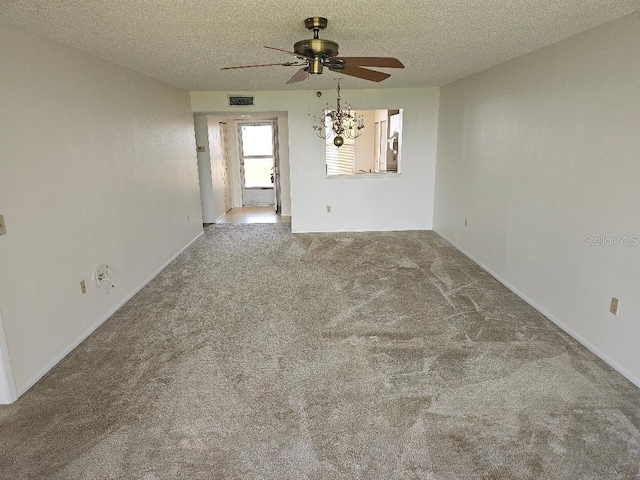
pixel 3 227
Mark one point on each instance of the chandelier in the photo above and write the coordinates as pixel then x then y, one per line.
pixel 338 123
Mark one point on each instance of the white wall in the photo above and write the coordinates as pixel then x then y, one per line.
pixel 364 144
pixel 359 202
pixel 98 165
pixel 538 153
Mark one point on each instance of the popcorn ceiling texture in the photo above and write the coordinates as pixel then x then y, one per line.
pixel 185 43
pixel 259 354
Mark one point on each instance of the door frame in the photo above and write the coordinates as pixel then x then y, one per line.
pixel 8 393
pixel 228 188
pixel 276 156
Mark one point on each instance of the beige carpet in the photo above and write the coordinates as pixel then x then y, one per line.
pixel 259 354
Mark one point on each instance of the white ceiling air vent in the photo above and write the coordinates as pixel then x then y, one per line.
pixel 240 101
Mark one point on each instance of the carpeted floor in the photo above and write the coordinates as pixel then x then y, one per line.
pixel 259 354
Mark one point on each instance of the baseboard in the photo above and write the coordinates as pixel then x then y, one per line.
pixel 595 350
pixel 364 230
pixel 21 390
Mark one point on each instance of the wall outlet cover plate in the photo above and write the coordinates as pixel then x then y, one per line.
pixel 615 305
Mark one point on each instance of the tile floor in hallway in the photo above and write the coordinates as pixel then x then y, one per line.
pixel 264 214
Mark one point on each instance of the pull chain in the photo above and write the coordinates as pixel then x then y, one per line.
pixel 308 97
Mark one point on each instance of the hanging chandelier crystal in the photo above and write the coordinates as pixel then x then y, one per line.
pixel 338 123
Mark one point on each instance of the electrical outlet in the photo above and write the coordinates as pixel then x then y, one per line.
pixel 3 227
pixel 615 305
pixel 83 287
pixel 328 208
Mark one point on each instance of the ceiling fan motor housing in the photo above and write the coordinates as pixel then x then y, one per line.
pixel 316 48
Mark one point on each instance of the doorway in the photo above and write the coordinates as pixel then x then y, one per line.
pixel 259 164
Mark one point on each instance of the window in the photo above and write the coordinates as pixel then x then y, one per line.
pixel 340 161
pixel 257 155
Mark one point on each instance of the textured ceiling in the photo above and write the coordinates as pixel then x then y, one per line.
pixel 185 42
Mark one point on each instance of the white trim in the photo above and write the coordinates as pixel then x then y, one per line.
pixel 7 384
pixel 91 329
pixel 595 350
pixel 364 175
pixel 364 230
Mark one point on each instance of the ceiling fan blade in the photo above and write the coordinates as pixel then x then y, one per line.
pixel 286 64
pixel 289 53
pixel 363 73
pixel 383 62
pixel 300 75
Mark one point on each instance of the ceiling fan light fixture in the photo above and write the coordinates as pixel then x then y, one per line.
pixel 316 66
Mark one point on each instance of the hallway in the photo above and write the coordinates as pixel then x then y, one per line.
pixel 253 215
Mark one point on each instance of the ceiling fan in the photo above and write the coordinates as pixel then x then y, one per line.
pixel 315 54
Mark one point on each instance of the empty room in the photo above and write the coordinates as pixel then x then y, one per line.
pixel 279 240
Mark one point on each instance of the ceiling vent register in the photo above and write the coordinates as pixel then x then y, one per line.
pixel 240 101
